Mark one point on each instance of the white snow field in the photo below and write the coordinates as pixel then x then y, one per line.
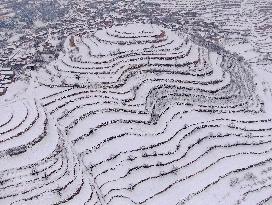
pixel 137 114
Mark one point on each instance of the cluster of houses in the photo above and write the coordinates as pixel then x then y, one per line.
pixel 6 77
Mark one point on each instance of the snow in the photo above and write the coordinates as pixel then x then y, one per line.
pixel 137 114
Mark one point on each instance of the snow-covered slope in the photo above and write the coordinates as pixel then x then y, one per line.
pixel 137 114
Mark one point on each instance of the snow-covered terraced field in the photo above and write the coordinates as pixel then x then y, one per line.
pixel 137 114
